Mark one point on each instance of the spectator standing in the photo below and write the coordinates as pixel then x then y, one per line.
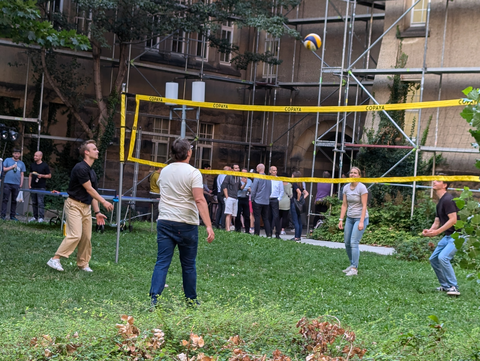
pixel 37 180
pixel 14 170
pixel 275 197
pixel 154 182
pixel 261 190
pixel 243 204
pixel 82 197
pixel 181 200
pixel 220 218
pixel 355 197
pixel 297 191
pixel 323 190
pixel 230 186
pixel 284 205
pixel 445 219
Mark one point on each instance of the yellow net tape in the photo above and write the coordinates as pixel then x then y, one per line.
pixel 463 178
pixel 308 109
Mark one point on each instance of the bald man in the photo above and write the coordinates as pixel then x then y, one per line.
pixel 39 173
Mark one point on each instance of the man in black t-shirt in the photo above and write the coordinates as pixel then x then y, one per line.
pixel 39 173
pixel 82 192
pixel 446 217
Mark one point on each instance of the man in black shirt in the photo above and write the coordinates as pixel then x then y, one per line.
pixel 82 192
pixel 39 173
pixel 445 220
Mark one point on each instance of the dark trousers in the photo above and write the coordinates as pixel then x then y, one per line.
pixel 220 218
pixel 38 204
pixel 10 190
pixel 262 210
pixel 319 208
pixel 243 209
pixel 285 218
pixel 275 216
pixel 169 235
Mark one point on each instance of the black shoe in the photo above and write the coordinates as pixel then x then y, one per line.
pixel 14 219
pixel 192 303
pixel 277 236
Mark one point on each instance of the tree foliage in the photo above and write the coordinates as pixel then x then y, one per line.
pixel 132 21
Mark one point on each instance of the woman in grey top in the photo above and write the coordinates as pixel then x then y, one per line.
pixel 355 196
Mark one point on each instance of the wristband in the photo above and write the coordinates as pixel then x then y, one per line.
pixel 97 212
pixel 340 219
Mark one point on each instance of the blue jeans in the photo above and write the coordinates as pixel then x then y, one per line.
pixel 169 235
pixel 38 204
pixel 352 237
pixel 297 220
pixel 440 261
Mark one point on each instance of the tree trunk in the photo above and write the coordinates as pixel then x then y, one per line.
pixel 102 117
pixel 65 101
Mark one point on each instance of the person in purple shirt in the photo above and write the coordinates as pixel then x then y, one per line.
pixel 323 190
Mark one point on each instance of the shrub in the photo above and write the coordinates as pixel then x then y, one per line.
pixel 415 249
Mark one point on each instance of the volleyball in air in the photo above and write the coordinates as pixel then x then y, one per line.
pixel 312 42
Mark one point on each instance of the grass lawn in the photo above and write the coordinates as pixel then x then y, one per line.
pixel 253 287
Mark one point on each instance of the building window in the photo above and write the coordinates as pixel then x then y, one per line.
pixel 419 14
pixel 411 115
pixel 160 144
pixel 205 147
pixel 227 34
pixel 200 45
pixel 84 22
pixel 177 42
pixel 271 45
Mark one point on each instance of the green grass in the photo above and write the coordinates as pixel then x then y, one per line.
pixel 255 287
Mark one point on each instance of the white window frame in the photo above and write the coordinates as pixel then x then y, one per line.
pixel 204 132
pixel 198 41
pixel 272 44
pixel 227 33
pixel 157 140
pixel 420 8
pixel 86 22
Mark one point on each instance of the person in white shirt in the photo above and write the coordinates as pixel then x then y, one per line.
pixel 275 197
pixel 181 199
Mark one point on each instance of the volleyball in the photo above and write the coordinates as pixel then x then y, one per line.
pixel 312 42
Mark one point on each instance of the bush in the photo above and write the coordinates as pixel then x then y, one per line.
pixel 389 223
pixel 415 249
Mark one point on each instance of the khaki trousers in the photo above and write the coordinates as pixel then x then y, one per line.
pixel 79 232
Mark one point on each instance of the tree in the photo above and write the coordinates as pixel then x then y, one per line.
pixel 134 21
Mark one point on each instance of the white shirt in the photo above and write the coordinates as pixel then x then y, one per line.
pixel 220 179
pixel 177 204
pixel 277 190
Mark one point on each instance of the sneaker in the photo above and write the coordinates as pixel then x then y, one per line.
pixel 40 220
pixel 33 219
pixel 86 269
pixel 55 264
pixel 14 219
pixel 232 228
pixel 453 291
pixel 442 289
pixel 346 270
pixel 252 230
pixel 3 218
pixel 283 233
pixel 352 272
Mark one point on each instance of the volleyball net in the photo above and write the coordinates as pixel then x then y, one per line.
pixel 283 109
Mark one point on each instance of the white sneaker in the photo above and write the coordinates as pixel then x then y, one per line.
pixel 346 270
pixel 33 219
pixel 352 272
pixel 86 269
pixel 232 228
pixel 40 220
pixel 55 264
pixel 283 233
